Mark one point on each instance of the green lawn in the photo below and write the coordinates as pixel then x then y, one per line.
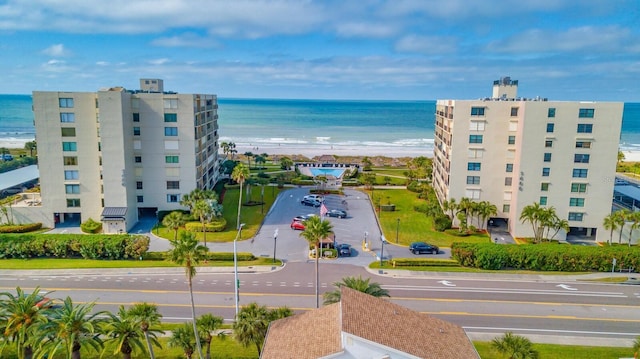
pixel 555 351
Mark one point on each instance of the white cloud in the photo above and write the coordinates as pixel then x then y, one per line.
pixel 57 50
pixel 161 61
pixel 185 40
pixel 426 44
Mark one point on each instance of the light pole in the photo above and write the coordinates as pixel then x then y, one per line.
pixel 383 240
pixel 275 236
pixel 235 267
pixel 397 229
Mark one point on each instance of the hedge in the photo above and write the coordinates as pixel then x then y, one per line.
pixel 218 225
pixel 73 246
pixel 212 256
pixel 545 257
pixel 427 262
pixel 20 228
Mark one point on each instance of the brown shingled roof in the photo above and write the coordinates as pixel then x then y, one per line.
pixel 318 333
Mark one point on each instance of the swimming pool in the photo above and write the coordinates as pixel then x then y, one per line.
pixel 335 172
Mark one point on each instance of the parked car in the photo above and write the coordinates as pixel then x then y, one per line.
pixel 7 157
pixel 344 250
pixel 338 213
pixel 311 202
pixel 422 247
pixel 297 225
pixel 316 197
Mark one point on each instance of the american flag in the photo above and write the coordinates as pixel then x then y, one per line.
pixel 323 210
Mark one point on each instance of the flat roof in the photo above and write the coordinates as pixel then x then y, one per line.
pixel 19 176
pixel 628 190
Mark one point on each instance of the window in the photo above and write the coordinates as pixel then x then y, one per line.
pixel 72 188
pixel 514 111
pixel 512 140
pixel 135 103
pixel 576 202
pixel 546 171
pixel 576 216
pixel 70 160
pixel 513 126
pixel 585 128
pixel 578 187
pixel 475 153
pixel 65 102
pixel 171 159
pixel 548 143
pixel 472 193
pixel 73 202
pixel 170 103
pixel 581 158
pixel 551 112
pixel 71 175
pixel 477 111
pixel 139 199
pixel 506 208
pixel 138 184
pixel 579 173
pixel 173 198
pixel 136 131
pixel 550 127
pixel 136 117
pixel 543 201
pixel 68 131
pixel 173 184
pixel 509 167
pixel 547 157
pixel 473 179
pixel 69 146
pixel 476 126
pixel 473 166
pixel 170 131
pixel 544 186
pixel 170 117
pixel 138 159
pixel 586 113
pixel 583 144
pixel 67 117
pixel 475 138
pixel 508 181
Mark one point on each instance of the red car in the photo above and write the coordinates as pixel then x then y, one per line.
pixel 297 225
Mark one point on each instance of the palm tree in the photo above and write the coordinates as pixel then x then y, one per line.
pixel 207 325
pixel 610 223
pixel 534 214
pixel 249 155
pixel 146 314
pixel 70 328
pixel 634 217
pixel 18 314
pixel 359 284
pixel 225 148
pixel 465 207
pixel 621 217
pixel 286 163
pixel 182 337
pixel 203 211
pixel 232 150
pixel 259 159
pixel 514 346
pixel 31 146
pixel 174 220
pixel 557 225
pixel 486 210
pixel 192 198
pixel 315 229
pixel 253 321
pixel 240 174
pixel 124 330
pixel 450 206
pixel 189 253
pixel 636 346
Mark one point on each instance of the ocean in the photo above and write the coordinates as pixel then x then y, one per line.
pixel 290 126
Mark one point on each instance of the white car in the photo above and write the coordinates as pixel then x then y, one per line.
pixel 313 197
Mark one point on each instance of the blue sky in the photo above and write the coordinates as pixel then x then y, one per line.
pixel 332 49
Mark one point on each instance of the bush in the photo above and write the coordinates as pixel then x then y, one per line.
pixel 217 225
pixel 427 262
pixel 20 228
pixel 91 226
pixel 441 222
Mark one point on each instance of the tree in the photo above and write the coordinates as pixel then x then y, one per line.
pixel 533 214
pixel 249 155
pixel 359 284
pixel 366 164
pixel 558 224
pixel 369 179
pixel 621 217
pixel 286 163
pixel 174 220
pixel 183 337
pixel 610 223
pixel 31 146
pixel 240 174
pixel 514 346
pixel 485 210
pixel 189 253
pixel 207 325
pixel 70 328
pixel 621 156
pixel 192 198
pixel 203 211
pixel 19 313
pixel 636 346
pixel 315 230
pixel 225 148
pixel 124 331
pixel 465 207
pixel 260 160
pixel 634 217
pixel 253 321
pixel 451 207
pixel 146 314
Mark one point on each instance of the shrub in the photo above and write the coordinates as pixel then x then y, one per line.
pixel 91 226
pixel 20 228
pixel 217 225
pixel 441 222
pixel 427 262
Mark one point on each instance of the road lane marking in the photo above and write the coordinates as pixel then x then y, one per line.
pixel 552 331
pixel 446 283
pixel 564 286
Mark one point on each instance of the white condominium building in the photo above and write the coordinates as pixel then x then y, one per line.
pixel 117 155
pixel 513 151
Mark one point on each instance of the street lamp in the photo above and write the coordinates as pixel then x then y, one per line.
pixel 397 229
pixel 235 268
pixel 275 236
pixel 383 240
